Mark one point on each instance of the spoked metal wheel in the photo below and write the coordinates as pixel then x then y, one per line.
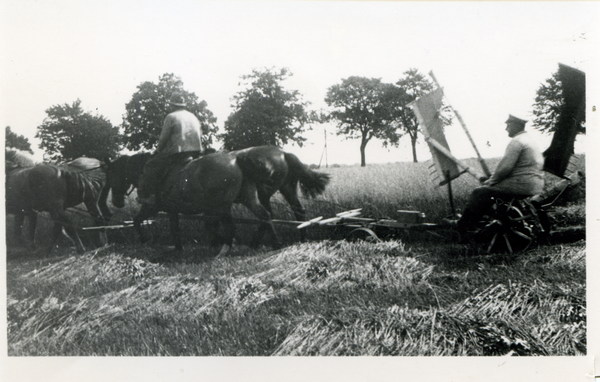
pixel 511 228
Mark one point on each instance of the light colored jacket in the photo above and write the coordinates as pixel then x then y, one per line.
pixel 181 132
pixel 520 169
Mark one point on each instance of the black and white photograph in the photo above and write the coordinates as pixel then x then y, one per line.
pixel 299 190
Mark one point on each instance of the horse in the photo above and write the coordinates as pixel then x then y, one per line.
pixel 270 169
pixel 265 169
pixel 209 184
pixel 54 188
pixel 15 160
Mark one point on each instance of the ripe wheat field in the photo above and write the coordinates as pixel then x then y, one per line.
pixel 405 296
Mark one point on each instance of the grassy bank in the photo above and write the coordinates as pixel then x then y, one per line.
pixel 322 298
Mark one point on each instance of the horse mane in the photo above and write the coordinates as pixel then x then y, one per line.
pixel 139 157
pixel 142 157
pixel 130 167
pixel 19 158
pixel 134 166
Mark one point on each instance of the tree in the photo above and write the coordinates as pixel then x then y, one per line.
pixel 68 133
pixel 146 111
pixel 412 85
pixel 364 109
pixel 549 103
pixel 17 141
pixel 265 113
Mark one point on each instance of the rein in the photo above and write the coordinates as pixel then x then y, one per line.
pixel 131 188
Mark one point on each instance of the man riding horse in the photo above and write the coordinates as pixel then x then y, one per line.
pixel 179 139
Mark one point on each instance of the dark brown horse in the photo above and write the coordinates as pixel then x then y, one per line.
pixel 15 161
pixel 265 169
pixel 208 185
pixel 270 169
pixel 54 188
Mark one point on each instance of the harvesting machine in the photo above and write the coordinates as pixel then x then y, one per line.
pixel 511 225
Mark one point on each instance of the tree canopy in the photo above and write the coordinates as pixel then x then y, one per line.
pixel 365 109
pixel 17 141
pixel 145 113
pixel 69 133
pixel 413 85
pixel 549 104
pixel 265 113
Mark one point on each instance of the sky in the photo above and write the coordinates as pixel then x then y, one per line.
pixel 489 57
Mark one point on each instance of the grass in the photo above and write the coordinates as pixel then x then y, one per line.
pixel 320 298
pixel 323 297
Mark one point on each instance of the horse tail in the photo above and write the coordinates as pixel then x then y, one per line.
pixel 312 183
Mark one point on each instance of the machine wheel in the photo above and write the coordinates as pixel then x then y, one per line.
pixel 512 227
pixel 364 234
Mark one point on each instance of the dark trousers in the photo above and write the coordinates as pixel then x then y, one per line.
pixel 157 169
pixel 480 203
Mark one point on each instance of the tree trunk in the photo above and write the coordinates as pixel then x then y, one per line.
pixel 413 141
pixel 363 145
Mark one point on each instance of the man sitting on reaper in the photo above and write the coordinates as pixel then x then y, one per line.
pixel 179 139
pixel 519 174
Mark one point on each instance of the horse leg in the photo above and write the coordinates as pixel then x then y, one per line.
pixel 99 220
pixel 56 230
pixel 213 229
pixel 145 213
pixel 265 201
pixel 175 234
pixel 250 200
pixel 229 228
pixel 19 219
pixel 63 223
pixel 32 218
pixel 290 193
pixel 101 205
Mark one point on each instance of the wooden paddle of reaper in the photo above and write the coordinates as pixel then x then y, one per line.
pixel 556 157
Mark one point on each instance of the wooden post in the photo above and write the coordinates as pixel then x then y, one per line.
pixel 450 197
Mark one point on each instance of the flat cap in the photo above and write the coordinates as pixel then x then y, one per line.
pixel 513 119
pixel 177 99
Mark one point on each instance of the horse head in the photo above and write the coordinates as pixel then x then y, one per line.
pixel 122 174
pixel 117 181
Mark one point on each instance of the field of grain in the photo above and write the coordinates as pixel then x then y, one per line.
pixel 321 297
